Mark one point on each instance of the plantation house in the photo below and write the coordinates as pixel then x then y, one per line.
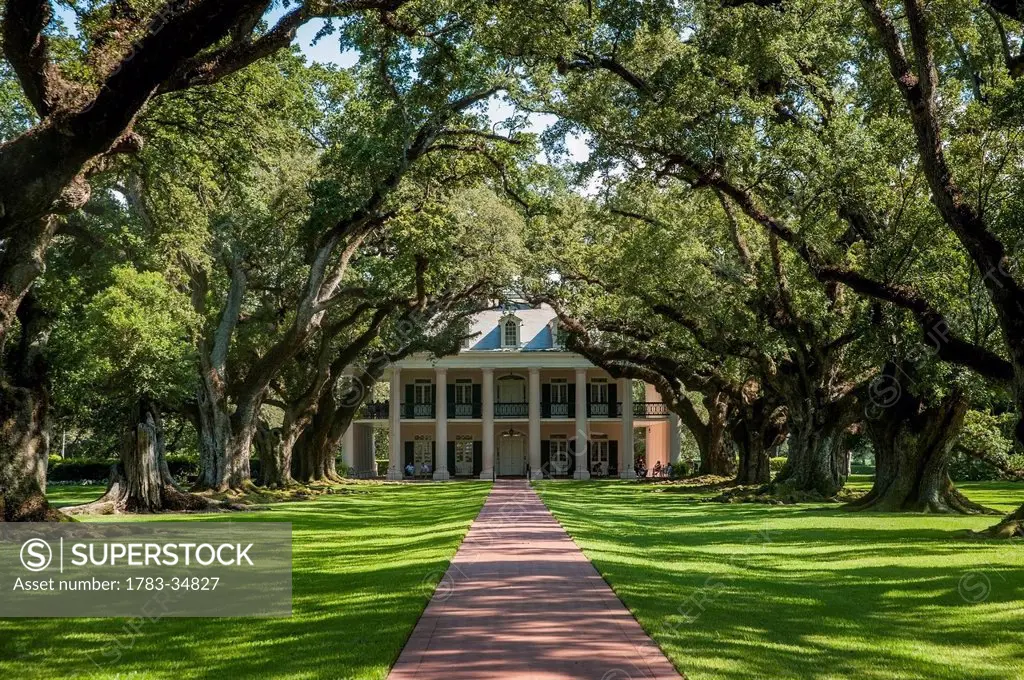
pixel 513 399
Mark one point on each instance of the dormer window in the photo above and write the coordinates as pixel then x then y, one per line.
pixel 510 333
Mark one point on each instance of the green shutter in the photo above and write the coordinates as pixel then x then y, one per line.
pixel 409 451
pixel 478 458
pixel 545 458
pixel 613 458
pixel 451 458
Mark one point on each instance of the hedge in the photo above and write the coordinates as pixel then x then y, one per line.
pixel 91 470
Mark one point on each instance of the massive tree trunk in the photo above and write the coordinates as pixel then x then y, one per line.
pixel 24 405
pixel 816 463
pixel 716 452
pixel 275 454
pixel 213 432
pixel 315 454
pixel 225 443
pixel 712 437
pixel 759 426
pixel 913 441
pixel 316 448
pixel 24 448
pixel 141 481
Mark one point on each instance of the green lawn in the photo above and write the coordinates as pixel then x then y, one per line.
pixel 364 566
pixel 752 591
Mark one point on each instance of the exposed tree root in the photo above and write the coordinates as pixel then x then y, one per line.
pixel 949 501
pixel 1012 526
pixel 118 501
pixel 33 508
pixel 777 494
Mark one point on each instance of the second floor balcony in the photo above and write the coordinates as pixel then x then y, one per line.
pixel 380 410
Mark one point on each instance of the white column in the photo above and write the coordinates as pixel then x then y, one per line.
pixel 581 425
pixel 626 443
pixel 348 447
pixel 535 466
pixel 673 439
pixel 395 431
pixel 441 425
pixel 487 410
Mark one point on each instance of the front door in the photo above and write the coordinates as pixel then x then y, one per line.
pixel 559 456
pixel 512 457
pixel 599 459
pixel 463 456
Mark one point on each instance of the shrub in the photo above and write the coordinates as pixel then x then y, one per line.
pixel 964 466
pixel 775 464
pixel 79 470
pixel 182 467
pixel 680 470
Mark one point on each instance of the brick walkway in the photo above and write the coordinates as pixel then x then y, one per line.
pixel 521 601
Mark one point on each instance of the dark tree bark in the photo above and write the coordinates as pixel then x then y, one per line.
pixel 24 448
pixel 717 456
pixel 1012 526
pixel 316 451
pixel 759 427
pixel 275 458
pixel 24 405
pixel 817 459
pixel 913 441
pixel 141 481
pixel 317 447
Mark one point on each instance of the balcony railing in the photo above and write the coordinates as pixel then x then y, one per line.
pixel 602 409
pixel 417 410
pixel 649 409
pixel 374 410
pixel 512 409
pixel 557 409
pixel 379 410
pixel 459 410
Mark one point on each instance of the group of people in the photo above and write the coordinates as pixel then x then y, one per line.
pixel 425 470
pixel 659 470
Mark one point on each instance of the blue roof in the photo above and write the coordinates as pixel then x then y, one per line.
pixel 534 331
